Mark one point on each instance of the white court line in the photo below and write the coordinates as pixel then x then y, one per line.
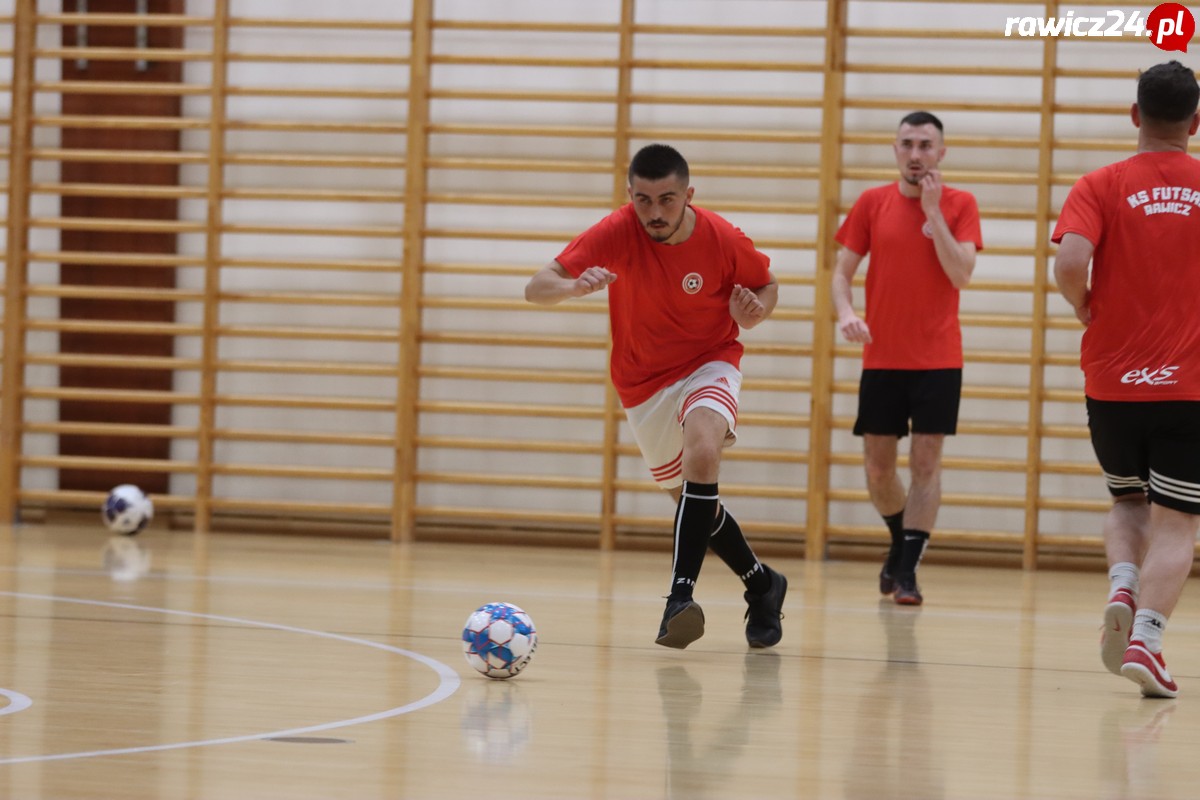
pixel 16 702
pixel 447 686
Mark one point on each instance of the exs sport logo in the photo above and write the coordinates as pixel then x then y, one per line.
pixel 1151 377
pixel 1169 26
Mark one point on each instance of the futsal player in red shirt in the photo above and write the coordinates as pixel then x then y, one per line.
pixel 1138 223
pixel 680 280
pixel 922 237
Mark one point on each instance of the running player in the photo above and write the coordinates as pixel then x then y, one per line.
pixel 1138 223
pixel 680 280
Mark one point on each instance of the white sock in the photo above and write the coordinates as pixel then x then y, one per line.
pixel 1148 627
pixel 1123 576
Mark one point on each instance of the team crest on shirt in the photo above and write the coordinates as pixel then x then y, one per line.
pixel 927 230
pixel 692 282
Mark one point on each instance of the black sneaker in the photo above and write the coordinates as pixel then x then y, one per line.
pixel 887 581
pixel 682 624
pixel 907 591
pixel 763 626
pixel 887 574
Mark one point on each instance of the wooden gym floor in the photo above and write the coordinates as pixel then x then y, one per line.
pixel 249 666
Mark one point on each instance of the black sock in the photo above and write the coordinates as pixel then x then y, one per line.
pixel 895 524
pixel 728 542
pixel 693 523
pixel 915 543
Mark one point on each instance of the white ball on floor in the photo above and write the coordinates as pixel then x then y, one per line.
pixel 126 510
pixel 499 639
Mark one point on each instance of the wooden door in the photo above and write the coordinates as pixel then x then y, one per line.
pixel 146 208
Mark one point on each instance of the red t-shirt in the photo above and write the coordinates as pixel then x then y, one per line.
pixel 1143 217
pixel 669 306
pixel 912 307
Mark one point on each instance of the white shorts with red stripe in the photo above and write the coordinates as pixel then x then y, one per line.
pixel 658 423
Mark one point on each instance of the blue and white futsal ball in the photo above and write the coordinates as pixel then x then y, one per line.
pixel 126 510
pixel 499 639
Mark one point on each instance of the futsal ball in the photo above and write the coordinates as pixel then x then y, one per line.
pixel 499 639
pixel 126 510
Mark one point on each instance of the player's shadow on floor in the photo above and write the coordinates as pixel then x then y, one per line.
pixel 893 755
pixel 695 769
pixel 1129 743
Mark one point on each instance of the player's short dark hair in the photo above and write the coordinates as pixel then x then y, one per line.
pixel 1167 93
pixel 919 118
pixel 657 161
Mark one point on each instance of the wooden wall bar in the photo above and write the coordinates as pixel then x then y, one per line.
pixel 363 195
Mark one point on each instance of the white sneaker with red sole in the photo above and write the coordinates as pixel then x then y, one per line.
pixel 1118 625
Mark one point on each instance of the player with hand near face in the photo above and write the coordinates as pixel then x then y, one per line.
pixel 921 236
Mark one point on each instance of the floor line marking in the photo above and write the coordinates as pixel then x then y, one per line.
pixel 447 685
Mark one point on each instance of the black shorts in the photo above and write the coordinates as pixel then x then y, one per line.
pixel 889 398
pixel 1149 447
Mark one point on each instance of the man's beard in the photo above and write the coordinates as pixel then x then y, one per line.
pixel 911 179
pixel 662 234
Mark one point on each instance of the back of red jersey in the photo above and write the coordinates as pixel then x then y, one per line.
pixel 1143 216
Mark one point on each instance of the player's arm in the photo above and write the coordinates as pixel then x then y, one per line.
pixel 748 307
pixel 849 323
pixel 552 283
pixel 1071 273
pixel 957 258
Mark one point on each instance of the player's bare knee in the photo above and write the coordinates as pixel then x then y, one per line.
pixel 880 473
pixel 925 464
pixel 925 472
pixel 702 462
